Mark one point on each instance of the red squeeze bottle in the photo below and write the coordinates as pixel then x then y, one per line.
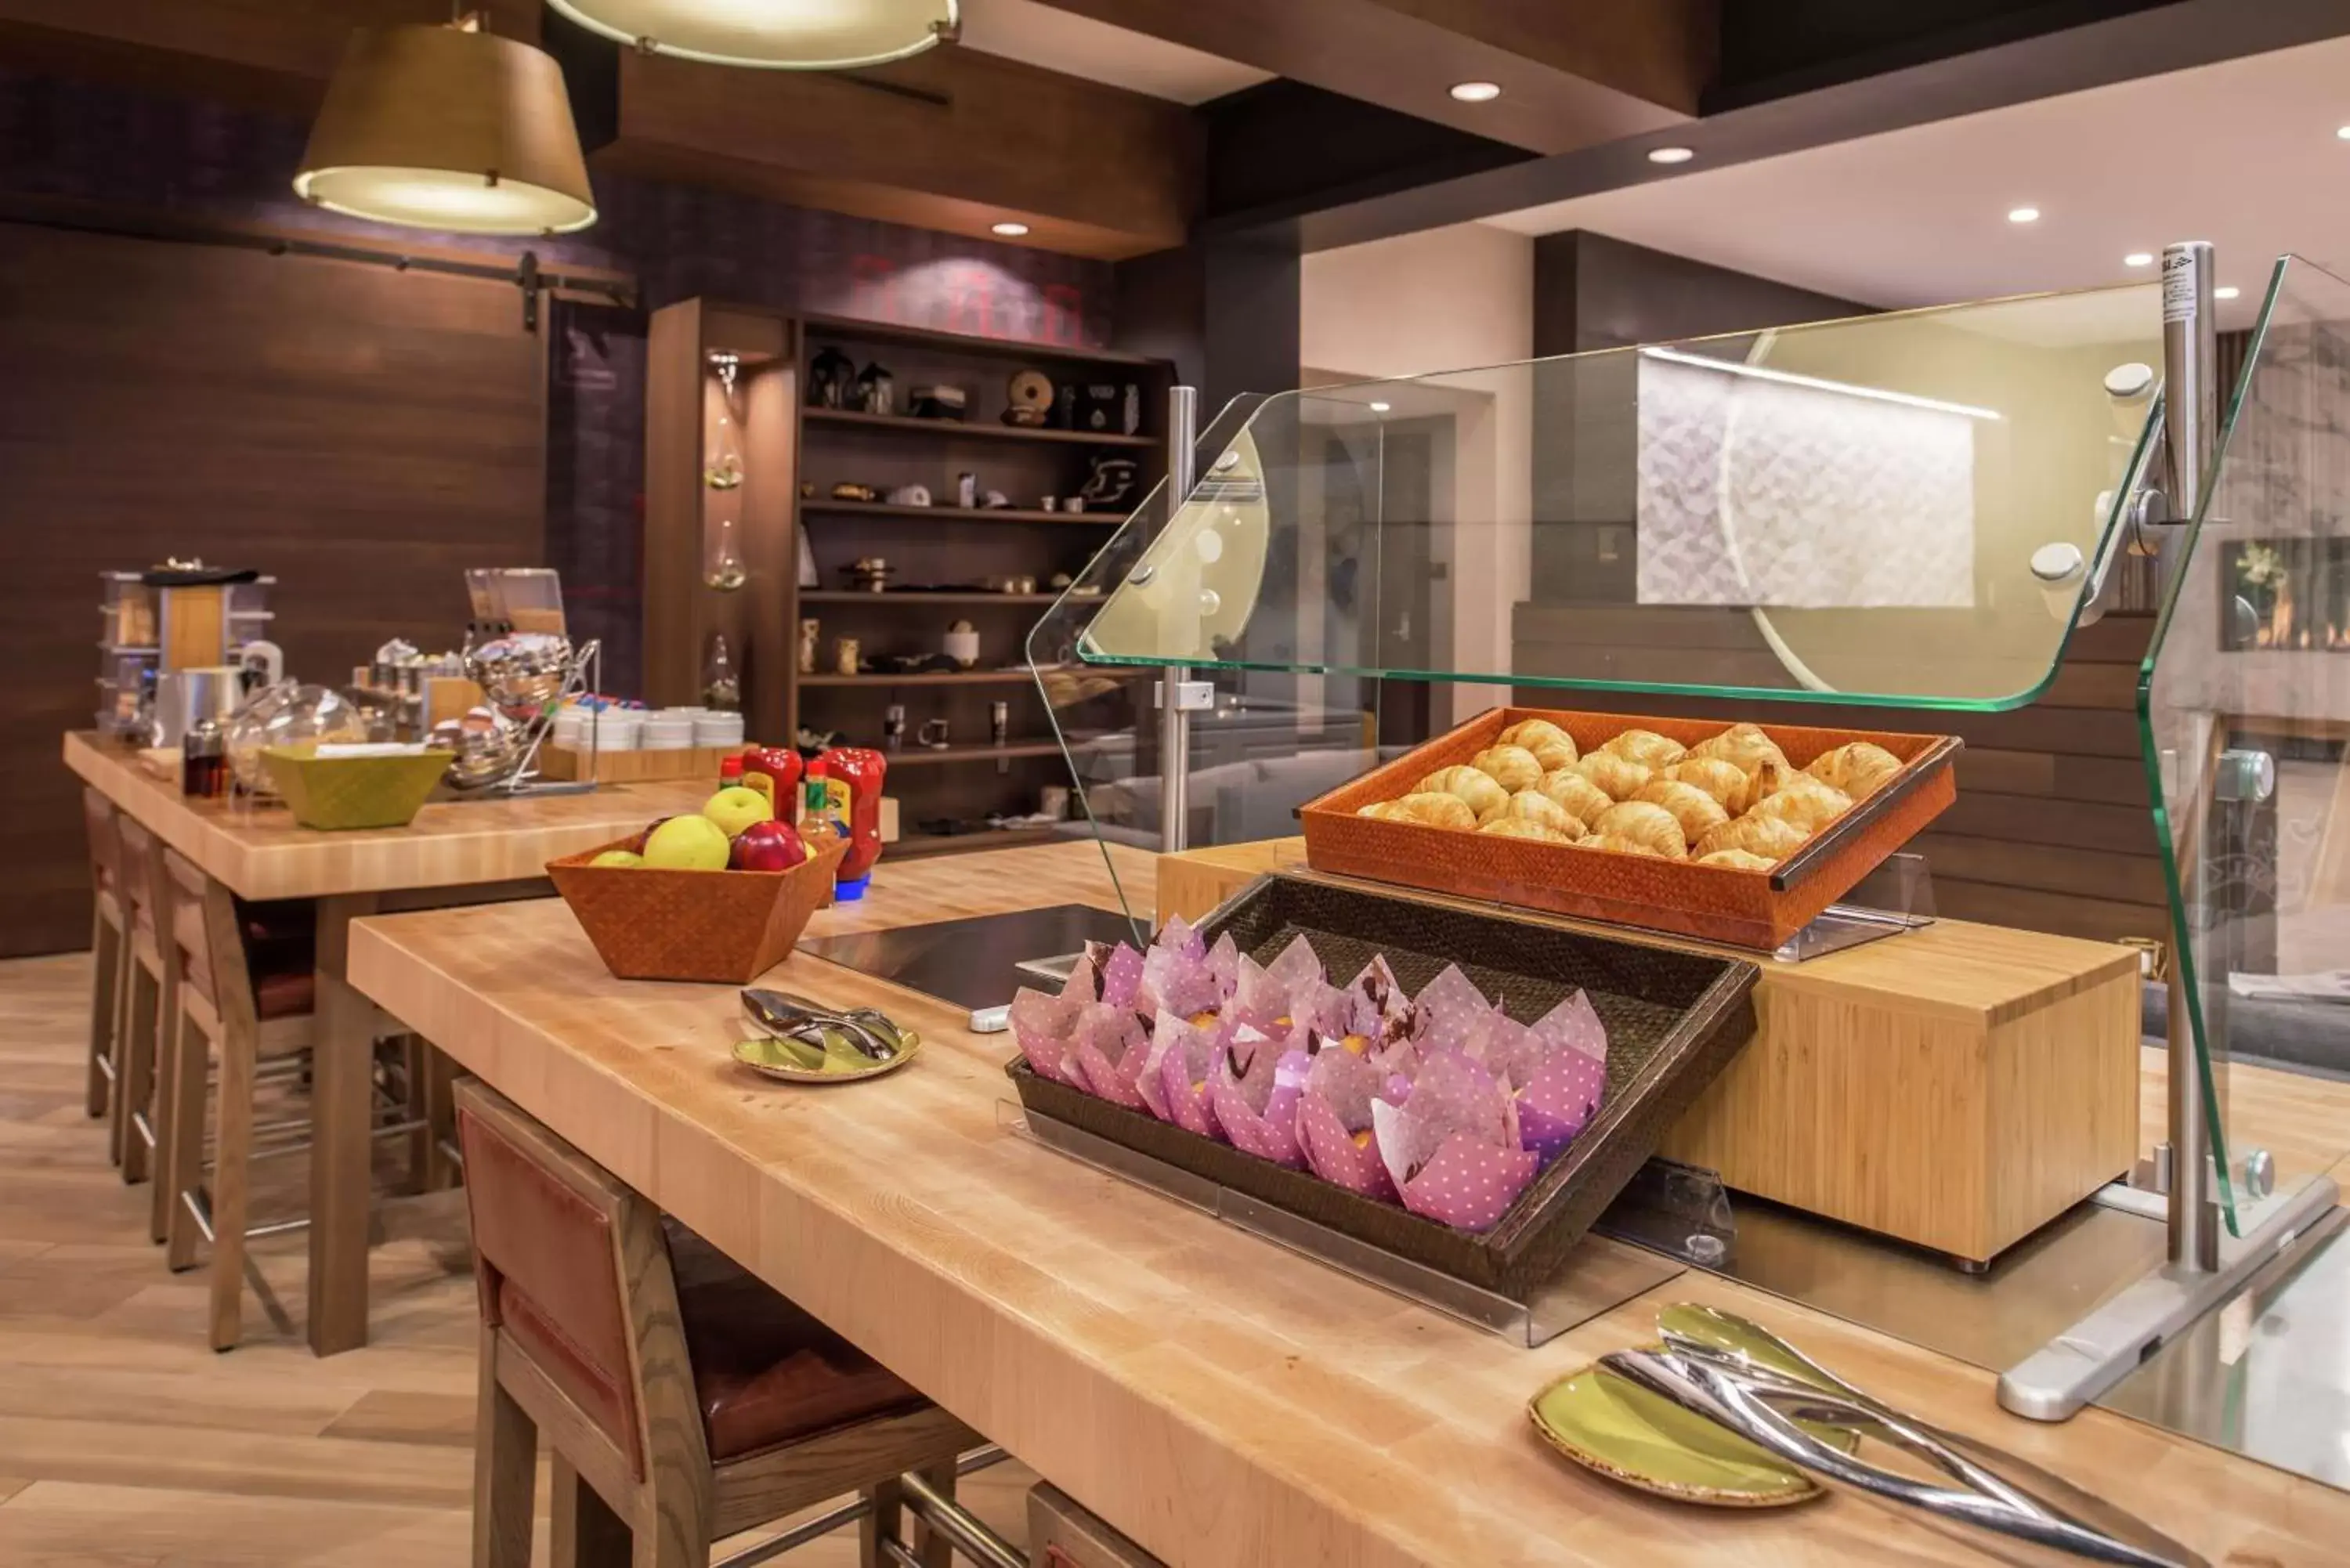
pixel 780 767
pixel 861 770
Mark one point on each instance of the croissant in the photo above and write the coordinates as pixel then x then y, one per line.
pixel 1429 808
pixel 1533 806
pixel 1512 767
pixel 1478 789
pixel 1858 769
pixel 1526 828
pixel 1726 782
pixel 1618 777
pixel 1744 744
pixel 1763 835
pixel 1695 810
pixel 1621 846
pixel 1552 746
pixel 1800 799
pixel 1737 861
pixel 1581 798
pixel 1646 747
pixel 1646 823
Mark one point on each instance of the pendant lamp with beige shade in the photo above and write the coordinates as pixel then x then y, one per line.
pixel 773 34
pixel 448 128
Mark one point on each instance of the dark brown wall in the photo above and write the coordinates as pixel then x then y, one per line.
pixel 364 435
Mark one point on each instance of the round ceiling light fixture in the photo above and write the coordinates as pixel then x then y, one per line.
pixel 2138 258
pixel 1671 154
pixel 2226 293
pixel 1008 229
pixel 1381 408
pixel 1475 92
pixel 2023 215
pixel 448 129
pixel 773 34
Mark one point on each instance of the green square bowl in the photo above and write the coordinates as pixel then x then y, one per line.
pixel 337 793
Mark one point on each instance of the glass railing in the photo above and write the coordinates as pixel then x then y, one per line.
pixel 2245 702
pixel 1908 509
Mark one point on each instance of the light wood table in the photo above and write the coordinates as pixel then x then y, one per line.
pixel 459 852
pixel 1224 1402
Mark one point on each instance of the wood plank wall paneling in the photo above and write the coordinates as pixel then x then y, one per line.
pixel 362 434
pixel 2052 830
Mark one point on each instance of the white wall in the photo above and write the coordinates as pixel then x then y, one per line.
pixel 1448 299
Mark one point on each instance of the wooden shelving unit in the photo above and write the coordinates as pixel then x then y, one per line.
pixel 966 513
pixel 966 430
pixel 928 678
pixel 915 596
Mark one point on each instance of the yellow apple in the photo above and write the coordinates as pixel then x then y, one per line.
pixel 619 857
pixel 688 843
pixel 735 808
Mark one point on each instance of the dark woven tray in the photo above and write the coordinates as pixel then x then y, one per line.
pixel 1674 1021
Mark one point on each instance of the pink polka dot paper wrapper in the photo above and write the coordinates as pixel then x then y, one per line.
pixel 1334 1123
pixel 1452 1149
pixel 1111 1046
pixel 1253 1098
pixel 1174 1082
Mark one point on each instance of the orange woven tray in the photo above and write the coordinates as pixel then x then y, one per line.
pixel 727 926
pixel 1758 909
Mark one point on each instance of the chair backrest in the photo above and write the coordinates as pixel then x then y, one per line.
pixel 98 814
pixel 139 872
pixel 560 1256
pixel 185 891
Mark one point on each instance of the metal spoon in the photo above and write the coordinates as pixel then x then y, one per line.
pixel 783 1014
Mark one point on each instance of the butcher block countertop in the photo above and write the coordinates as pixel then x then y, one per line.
pixel 1224 1402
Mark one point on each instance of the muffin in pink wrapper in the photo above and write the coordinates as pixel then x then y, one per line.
pixel 1296 964
pixel 1449 1010
pixel 1177 981
pixel 1558 1101
pixel 1043 1026
pixel 1258 996
pixel 1175 1074
pixel 1178 934
pixel 1334 1124
pixel 1452 1150
pixel 1380 1011
pixel 1083 983
pixel 1224 967
pixel 1109 1045
pixel 1574 1024
pixel 1253 1095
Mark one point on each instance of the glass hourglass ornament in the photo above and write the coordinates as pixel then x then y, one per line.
pixel 723 468
pixel 722 554
pixel 721 687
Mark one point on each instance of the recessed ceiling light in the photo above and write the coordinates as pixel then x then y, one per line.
pixel 1010 231
pixel 1476 92
pixel 2023 215
pixel 2138 258
pixel 1671 154
pixel 2226 293
pixel 2344 133
pixel 1381 408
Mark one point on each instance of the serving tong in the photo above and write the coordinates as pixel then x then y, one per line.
pixel 868 1029
pixel 1751 1383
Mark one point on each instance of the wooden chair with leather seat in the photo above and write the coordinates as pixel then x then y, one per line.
pixel 146 1003
pixel 683 1399
pixel 108 946
pixel 246 984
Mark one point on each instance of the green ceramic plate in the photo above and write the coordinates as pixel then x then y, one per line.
pixel 1627 1434
pixel 800 1062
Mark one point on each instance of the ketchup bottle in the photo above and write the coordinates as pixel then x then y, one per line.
pixel 773 772
pixel 861 770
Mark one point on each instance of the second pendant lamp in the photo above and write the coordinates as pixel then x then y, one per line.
pixel 774 34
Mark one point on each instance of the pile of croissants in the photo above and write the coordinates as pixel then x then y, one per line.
pixel 1731 801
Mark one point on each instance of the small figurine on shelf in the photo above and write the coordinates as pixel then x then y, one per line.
pixel 1110 483
pixel 967 490
pixel 832 378
pixel 877 391
pixel 811 633
pixel 1028 399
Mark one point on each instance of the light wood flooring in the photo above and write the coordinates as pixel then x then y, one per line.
pixel 125 1443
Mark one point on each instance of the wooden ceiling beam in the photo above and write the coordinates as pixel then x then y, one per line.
pixel 1572 75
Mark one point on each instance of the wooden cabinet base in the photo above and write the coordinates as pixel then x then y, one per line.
pixel 1956 1087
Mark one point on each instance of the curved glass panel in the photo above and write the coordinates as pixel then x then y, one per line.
pixel 2244 703
pixel 1903 509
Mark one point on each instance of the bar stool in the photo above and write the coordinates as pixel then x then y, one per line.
pixel 145 1002
pixel 244 993
pixel 107 944
pixel 683 1399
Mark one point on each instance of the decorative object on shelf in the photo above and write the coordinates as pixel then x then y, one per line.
pixel 723 468
pixel 386 146
pixel 1130 419
pixel 877 391
pixel 967 490
pixel 871 573
pixel 845 653
pixel 721 687
pixel 832 379
pixel 813 740
pixel 485 744
pixel 1053 801
pixel 830 38
pixel 910 495
pixel 938 403
pixel 722 563
pixel 1028 399
pixel 811 633
pixel 933 734
pixel 1059 582
pixel 1064 407
pixel 893 727
pixel 996 501
pixel 1048 504
pixel 962 644
pixel 999 722
pixel 1112 480
pixel 809 576
pixel 1073 503
pixel 1011 584
pixel 849 490
pixel 1100 407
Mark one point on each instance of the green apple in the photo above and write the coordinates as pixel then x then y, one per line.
pixel 689 843
pixel 735 808
pixel 619 857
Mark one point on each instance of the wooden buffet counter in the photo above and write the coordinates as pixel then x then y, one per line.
pixel 452 853
pixel 1224 1402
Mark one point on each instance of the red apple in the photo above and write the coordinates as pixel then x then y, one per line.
pixel 638 843
pixel 766 847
